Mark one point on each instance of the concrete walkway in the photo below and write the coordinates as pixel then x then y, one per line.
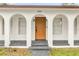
pixel 39 48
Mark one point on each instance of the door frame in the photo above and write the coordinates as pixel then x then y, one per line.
pixel 33 28
pixel 37 37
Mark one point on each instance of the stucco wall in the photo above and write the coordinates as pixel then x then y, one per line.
pixel 50 15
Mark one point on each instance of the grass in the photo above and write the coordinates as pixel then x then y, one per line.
pixel 14 52
pixel 2 52
pixel 64 52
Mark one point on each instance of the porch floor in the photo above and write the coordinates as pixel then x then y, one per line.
pixel 60 43
pixel 18 43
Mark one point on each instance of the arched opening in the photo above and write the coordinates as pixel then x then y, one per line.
pixel 1 31
pixel 18 30
pixel 39 28
pixel 60 30
pixel 76 30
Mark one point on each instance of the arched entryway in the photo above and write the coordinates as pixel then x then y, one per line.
pixel 39 27
pixel 1 31
pixel 18 30
pixel 60 30
pixel 76 31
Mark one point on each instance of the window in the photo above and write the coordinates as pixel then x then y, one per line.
pixel 57 26
pixel 22 26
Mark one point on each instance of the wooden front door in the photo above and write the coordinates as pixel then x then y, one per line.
pixel 40 28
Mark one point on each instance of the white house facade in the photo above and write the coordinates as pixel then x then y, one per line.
pixel 20 25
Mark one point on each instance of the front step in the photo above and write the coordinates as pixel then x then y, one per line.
pixel 39 48
pixel 39 43
pixel 40 52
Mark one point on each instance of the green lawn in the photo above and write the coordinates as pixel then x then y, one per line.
pixel 64 52
pixel 14 52
pixel 2 52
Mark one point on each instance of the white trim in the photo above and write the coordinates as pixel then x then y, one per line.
pixel 29 39
pixel 18 47
pixel 14 47
pixel 71 30
pixel 64 46
pixel 7 30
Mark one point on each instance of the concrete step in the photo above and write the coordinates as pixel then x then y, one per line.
pixel 40 52
pixel 39 48
pixel 39 43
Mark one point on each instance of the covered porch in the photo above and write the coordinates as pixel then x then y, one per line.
pixel 19 28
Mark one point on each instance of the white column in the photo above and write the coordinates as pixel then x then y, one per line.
pixel 50 36
pixel 6 30
pixel 28 31
pixel 71 31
